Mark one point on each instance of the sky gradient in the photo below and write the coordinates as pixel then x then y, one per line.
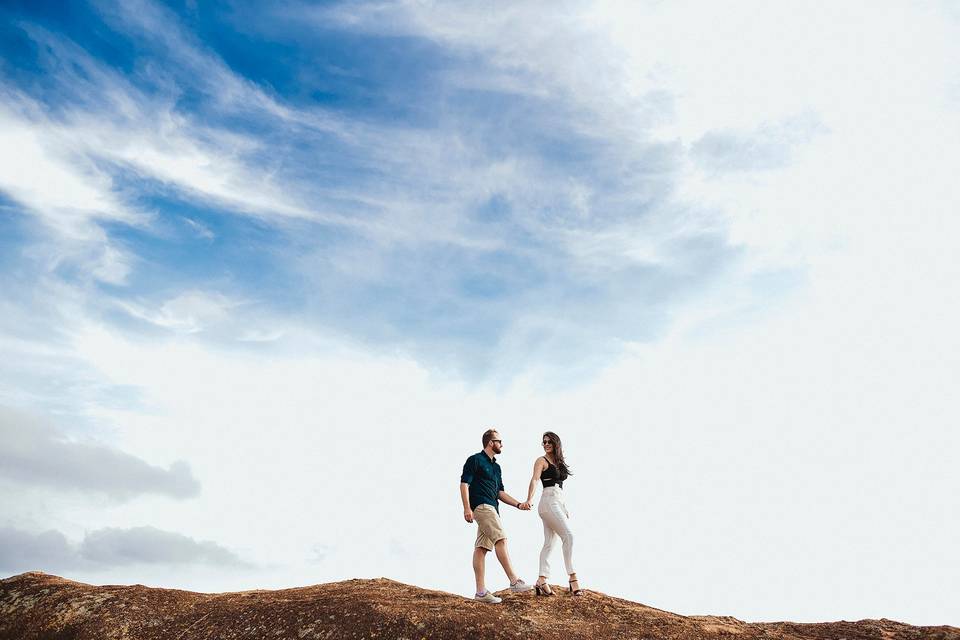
pixel 258 261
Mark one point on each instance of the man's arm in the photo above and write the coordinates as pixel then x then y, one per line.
pixel 513 502
pixel 465 498
pixel 469 468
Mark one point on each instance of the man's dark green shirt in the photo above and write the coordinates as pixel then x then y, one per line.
pixel 483 476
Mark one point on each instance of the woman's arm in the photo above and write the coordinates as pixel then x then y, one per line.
pixel 538 468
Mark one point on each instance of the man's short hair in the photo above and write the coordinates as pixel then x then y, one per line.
pixel 488 436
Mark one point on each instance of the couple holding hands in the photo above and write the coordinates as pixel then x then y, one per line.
pixel 481 490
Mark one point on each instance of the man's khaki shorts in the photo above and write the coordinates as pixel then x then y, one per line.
pixel 489 527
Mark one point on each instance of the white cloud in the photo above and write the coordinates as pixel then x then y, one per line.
pixel 187 312
pixel 36 454
pixel 769 147
pixel 25 551
pixel 202 230
pixel 45 171
pixel 140 545
pixel 871 106
pixel 114 125
pixel 29 166
pixel 109 548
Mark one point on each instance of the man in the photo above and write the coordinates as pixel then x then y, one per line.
pixel 481 489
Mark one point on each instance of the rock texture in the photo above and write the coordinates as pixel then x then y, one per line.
pixel 36 606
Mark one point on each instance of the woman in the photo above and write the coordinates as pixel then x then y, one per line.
pixel 552 470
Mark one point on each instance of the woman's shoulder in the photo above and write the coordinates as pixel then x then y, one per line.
pixel 542 460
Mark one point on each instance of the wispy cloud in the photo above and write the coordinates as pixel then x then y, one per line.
pixel 769 147
pixel 188 312
pixel 34 159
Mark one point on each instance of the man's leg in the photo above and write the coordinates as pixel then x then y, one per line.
pixel 504 557
pixel 479 562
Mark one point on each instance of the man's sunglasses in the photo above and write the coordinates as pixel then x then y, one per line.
pixel 500 441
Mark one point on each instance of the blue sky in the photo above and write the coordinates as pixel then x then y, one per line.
pixel 372 149
pixel 236 236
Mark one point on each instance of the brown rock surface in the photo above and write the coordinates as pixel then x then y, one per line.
pixel 36 606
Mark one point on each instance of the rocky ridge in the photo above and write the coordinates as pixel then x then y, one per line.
pixel 38 606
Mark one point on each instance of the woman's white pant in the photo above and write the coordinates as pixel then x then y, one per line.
pixel 555 518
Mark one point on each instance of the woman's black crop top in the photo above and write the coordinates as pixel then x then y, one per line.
pixel 551 476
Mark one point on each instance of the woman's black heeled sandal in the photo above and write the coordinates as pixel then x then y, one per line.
pixel 575 592
pixel 543 589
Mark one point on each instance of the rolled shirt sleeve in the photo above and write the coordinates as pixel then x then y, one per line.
pixel 469 469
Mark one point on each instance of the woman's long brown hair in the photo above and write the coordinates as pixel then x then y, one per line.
pixel 558 454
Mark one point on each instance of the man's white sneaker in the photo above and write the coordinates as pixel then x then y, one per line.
pixel 487 597
pixel 520 586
